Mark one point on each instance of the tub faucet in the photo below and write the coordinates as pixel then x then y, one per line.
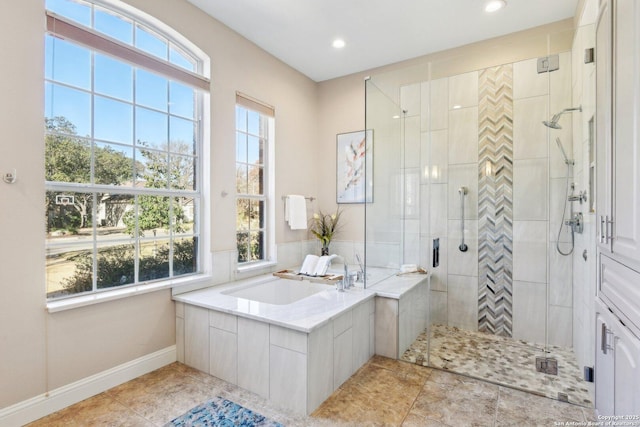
pixel 344 284
pixel 360 273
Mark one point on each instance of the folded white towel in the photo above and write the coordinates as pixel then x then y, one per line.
pixel 295 212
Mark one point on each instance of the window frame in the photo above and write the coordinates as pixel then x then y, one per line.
pixel 99 43
pixel 269 248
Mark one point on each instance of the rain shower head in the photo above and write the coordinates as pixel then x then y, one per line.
pixel 553 124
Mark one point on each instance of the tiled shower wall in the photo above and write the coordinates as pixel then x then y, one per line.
pixel 442 131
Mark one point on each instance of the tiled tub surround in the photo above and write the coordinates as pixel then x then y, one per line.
pixel 295 354
pixel 401 312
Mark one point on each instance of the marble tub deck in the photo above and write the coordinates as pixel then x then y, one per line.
pixel 500 360
pixel 384 392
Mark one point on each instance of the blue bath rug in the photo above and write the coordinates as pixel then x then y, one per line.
pixel 221 412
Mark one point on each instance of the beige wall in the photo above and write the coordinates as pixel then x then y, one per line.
pixel 341 106
pixel 40 351
pixel 22 315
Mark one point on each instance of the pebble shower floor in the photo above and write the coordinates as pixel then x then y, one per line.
pixel 500 360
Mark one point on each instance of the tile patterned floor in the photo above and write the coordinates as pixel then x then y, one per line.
pixel 500 360
pixel 384 392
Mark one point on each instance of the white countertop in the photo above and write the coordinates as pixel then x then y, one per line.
pixel 306 314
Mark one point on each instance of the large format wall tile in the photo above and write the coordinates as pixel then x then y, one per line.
pixel 462 302
pixel 436 207
pixel 530 251
pixel 526 80
pixel 557 205
pixel 560 326
pixel 434 156
pixel 560 269
pixel 410 99
pixel 529 311
pixel 463 90
pixel 529 134
pixel 530 193
pixel 439 105
pixel 412 142
pixel 465 175
pixel 458 262
pixel 253 356
pixel 463 135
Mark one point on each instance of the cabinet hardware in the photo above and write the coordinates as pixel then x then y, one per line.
pixel 606 229
pixel 604 345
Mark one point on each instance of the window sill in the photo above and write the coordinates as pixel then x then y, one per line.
pixel 116 294
pixel 260 265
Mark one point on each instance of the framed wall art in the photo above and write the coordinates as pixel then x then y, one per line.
pixel 354 167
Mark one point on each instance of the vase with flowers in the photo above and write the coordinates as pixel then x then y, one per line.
pixel 324 226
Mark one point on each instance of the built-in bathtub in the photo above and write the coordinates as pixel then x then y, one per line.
pixel 293 342
pixel 278 291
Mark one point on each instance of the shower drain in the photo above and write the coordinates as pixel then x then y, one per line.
pixel 547 365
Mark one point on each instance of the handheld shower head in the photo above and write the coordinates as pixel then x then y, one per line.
pixel 564 153
pixel 553 124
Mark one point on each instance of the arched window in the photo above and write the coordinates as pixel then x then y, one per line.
pixel 123 150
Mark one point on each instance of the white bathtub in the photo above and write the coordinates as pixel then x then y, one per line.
pixel 292 342
pixel 279 291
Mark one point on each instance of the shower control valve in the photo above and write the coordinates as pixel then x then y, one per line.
pixel 580 197
pixel 576 223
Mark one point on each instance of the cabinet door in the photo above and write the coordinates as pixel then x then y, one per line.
pixel 626 131
pixel 604 372
pixel 604 47
pixel 627 372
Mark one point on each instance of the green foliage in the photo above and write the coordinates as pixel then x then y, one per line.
pixel 68 159
pixel 116 266
pixel 154 211
pixel 324 226
pixel 250 246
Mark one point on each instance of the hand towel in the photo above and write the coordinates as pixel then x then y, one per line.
pixel 295 212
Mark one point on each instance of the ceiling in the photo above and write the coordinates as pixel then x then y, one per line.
pixel 376 32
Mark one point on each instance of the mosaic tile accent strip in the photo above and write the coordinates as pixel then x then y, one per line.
pixel 500 360
pixel 495 200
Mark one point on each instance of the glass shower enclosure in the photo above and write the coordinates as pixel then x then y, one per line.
pixel 470 185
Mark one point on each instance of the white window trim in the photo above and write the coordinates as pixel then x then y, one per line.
pixel 271 258
pixel 114 294
pixel 96 41
pixel 204 276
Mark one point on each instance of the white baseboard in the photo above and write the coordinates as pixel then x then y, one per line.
pixel 37 407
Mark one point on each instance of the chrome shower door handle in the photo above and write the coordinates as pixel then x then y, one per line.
pixel 604 334
pixel 606 229
pixel 463 192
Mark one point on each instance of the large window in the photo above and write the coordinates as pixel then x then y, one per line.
pixel 254 134
pixel 122 151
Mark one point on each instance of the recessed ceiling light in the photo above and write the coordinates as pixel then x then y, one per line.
pixel 338 43
pixel 457 107
pixel 494 5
